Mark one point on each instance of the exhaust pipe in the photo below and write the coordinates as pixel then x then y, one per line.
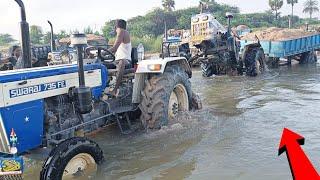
pixel 25 37
pixel 229 16
pixel 53 45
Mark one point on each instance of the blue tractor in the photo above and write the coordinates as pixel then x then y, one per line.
pixel 56 106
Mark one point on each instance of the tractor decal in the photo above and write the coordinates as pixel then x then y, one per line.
pixel 37 88
pixel 10 165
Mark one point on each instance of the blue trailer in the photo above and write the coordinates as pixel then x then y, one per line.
pixel 301 49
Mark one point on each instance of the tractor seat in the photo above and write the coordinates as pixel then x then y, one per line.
pixel 112 65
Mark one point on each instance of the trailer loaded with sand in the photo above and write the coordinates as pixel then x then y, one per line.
pixel 289 44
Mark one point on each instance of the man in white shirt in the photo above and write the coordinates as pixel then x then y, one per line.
pixel 122 49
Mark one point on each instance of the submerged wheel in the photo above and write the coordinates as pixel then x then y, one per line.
pixel 273 62
pixel 255 62
pixel 164 96
pixel 74 157
pixel 309 58
pixel 207 69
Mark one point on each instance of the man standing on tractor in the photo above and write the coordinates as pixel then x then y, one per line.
pixel 122 49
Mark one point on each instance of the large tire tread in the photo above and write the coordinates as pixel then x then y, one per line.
pixel 59 157
pixel 309 58
pixel 154 111
pixel 255 54
pixel 207 70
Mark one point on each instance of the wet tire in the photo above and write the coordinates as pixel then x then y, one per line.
pixel 207 69
pixel 157 94
pixel 309 58
pixel 54 168
pixel 255 62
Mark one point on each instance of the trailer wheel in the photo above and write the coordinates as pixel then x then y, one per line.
pixel 164 96
pixel 273 62
pixel 73 157
pixel 309 58
pixel 207 69
pixel 255 62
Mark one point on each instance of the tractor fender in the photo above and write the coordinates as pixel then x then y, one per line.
pixel 155 66
pixel 248 48
pixel 147 66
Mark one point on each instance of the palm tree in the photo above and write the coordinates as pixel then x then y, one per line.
pixel 311 6
pixel 291 2
pixel 168 5
pixel 276 6
pixel 207 1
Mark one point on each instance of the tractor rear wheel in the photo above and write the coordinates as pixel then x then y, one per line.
pixel 74 157
pixel 255 62
pixel 207 69
pixel 164 96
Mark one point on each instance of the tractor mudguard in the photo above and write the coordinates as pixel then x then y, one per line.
pixel 159 65
pixel 248 47
pixel 155 66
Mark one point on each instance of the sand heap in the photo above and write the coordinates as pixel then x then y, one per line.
pixel 277 34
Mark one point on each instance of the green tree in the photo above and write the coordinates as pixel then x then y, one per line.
pixel 88 30
pixel 108 28
pixel 97 33
pixel 36 34
pixel 275 6
pixel 5 39
pixel 168 5
pixel 47 37
pixel 310 7
pixel 291 2
pixel 62 34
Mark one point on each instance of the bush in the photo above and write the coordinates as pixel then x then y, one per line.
pixel 151 44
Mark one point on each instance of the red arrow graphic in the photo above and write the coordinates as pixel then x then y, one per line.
pixel 300 165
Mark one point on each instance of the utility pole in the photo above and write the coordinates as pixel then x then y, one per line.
pixel 290 21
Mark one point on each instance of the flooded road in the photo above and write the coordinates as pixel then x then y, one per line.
pixel 235 136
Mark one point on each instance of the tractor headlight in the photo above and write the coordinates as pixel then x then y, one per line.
pixel 154 67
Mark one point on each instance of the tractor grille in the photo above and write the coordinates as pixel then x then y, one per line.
pixel 4 143
pixel 199 31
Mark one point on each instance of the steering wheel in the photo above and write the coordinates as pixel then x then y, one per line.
pixel 89 53
pixel 106 55
pixel 103 53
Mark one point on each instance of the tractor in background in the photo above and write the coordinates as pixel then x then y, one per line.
pixel 176 43
pixel 219 49
pixel 55 107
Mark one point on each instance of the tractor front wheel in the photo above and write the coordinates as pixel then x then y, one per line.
pixel 74 157
pixel 164 96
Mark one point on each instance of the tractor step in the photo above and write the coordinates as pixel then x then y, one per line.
pixel 124 123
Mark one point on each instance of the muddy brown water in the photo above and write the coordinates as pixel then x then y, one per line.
pixel 235 136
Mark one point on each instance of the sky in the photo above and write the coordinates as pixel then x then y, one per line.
pixel 77 14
